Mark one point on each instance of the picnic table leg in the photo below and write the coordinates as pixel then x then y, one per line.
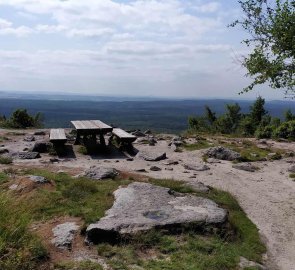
pixel 78 138
pixel 94 137
pixel 102 140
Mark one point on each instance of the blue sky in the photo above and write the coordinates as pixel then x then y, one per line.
pixel 168 48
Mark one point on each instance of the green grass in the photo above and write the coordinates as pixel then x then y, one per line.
pixel 153 250
pixel 250 152
pixel 5 160
pixel 19 249
pixel 80 197
pixel 3 178
pixel 292 175
pixel 201 144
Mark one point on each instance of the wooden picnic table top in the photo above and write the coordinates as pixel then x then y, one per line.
pixel 57 135
pixel 91 125
pixel 123 134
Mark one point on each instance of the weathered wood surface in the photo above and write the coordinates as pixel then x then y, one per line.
pixel 123 135
pixel 57 135
pixel 91 125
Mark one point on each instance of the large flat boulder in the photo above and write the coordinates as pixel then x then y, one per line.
pixel 222 153
pixel 142 206
pixel 64 235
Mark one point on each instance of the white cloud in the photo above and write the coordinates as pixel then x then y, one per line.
pixel 6 28
pixel 208 7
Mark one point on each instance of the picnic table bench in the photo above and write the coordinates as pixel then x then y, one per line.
pixel 57 136
pixel 91 127
pixel 124 138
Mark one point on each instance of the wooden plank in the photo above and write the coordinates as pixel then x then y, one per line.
pixel 91 125
pixel 57 135
pixel 122 134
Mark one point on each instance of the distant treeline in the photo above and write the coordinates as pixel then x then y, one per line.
pixel 257 122
pixel 168 116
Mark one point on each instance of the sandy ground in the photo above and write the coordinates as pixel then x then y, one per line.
pixel 267 196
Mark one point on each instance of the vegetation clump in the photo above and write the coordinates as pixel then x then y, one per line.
pixel 255 123
pixel 20 118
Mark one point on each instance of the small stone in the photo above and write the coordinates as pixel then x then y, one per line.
pixel 27 155
pixel 42 147
pixel 198 186
pixel 129 159
pixel 169 169
pixel 150 156
pixel 64 235
pixel 171 162
pixel 54 160
pixel 201 167
pixel 245 264
pixel 245 167
pixel 98 173
pixel 140 170
pixel 13 187
pixel 29 138
pixel 38 179
pixel 155 168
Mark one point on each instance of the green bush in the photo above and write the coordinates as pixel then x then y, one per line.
pixel 286 130
pixel 264 132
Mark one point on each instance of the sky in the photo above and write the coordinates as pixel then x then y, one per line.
pixel 167 48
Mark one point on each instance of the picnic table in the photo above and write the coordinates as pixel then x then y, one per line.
pixel 91 127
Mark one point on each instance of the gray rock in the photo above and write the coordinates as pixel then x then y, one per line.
pixel 201 167
pixel 149 156
pixel 99 173
pixel 64 235
pixel 155 168
pixel 13 187
pixel 198 186
pixel 222 153
pixel 140 170
pixel 171 162
pixel 292 169
pixel 29 138
pixel 41 147
pixel 38 179
pixel 27 155
pixel 245 167
pixel 143 206
pixel 244 264
pixel 3 151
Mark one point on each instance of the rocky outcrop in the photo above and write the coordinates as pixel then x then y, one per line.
pixel 222 153
pixel 151 156
pixel 64 235
pixel 99 173
pixel 29 138
pixel 143 206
